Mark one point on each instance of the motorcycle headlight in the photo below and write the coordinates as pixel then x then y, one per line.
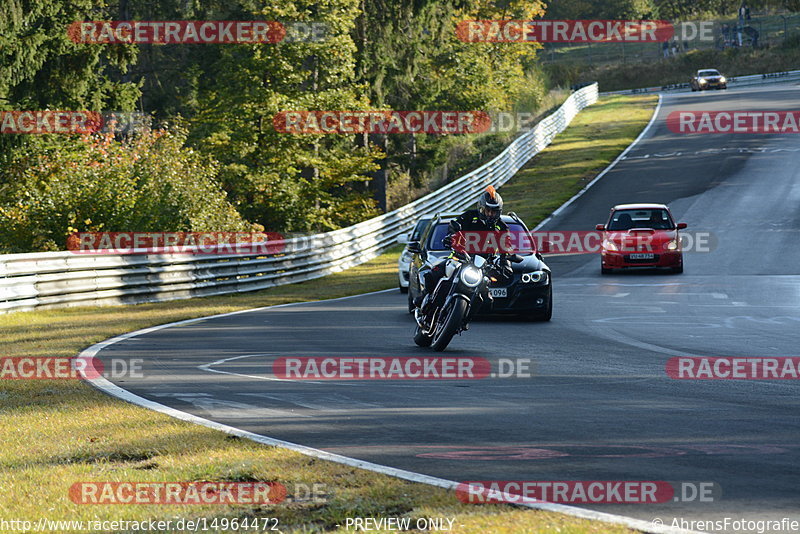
pixel 471 277
pixel 535 277
pixel 609 245
pixel 672 245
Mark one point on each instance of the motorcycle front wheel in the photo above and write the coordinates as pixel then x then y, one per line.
pixel 452 322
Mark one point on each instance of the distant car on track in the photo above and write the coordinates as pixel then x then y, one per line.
pixel 708 79
pixel 641 235
pixel 404 261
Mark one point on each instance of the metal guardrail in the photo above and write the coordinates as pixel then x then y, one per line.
pixel 55 279
pixel 737 81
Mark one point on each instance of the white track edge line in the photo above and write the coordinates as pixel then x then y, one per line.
pixel 607 169
pixel 113 390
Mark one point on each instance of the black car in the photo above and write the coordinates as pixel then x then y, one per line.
pixel 529 292
pixel 708 79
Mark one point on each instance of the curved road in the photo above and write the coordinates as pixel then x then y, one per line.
pixel 599 405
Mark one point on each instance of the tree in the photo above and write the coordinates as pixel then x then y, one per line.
pixel 284 181
pixel 606 9
pixel 148 182
pixel 410 59
pixel 41 67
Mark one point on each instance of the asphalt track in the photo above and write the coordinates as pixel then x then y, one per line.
pixel 599 405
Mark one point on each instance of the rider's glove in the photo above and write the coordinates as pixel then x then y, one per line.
pixel 504 266
pixel 448 241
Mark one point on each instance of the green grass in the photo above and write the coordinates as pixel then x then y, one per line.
pixel 56 433
pixel 596 136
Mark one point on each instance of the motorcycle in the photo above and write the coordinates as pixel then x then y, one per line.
pixel 458 296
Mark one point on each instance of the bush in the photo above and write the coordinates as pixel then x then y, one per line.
pixel 53 186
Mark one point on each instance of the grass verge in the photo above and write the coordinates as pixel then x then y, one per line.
pixel 56 433
pixel 594 138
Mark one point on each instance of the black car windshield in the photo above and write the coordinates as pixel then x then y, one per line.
pixel 708 73
pixel 656 218
pixel 525 243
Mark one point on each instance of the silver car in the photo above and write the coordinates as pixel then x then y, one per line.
pixel 403 264
pixel 708 79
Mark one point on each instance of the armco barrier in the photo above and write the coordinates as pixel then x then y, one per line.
pixel 53 279
pixel 737 81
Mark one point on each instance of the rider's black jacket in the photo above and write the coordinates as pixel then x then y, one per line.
pixel 470 221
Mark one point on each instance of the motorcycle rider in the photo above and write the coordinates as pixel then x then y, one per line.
pixel 486 218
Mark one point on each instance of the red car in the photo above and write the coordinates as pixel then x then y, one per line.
pixel 641 235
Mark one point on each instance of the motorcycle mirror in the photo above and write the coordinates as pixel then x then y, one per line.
pixel 414 248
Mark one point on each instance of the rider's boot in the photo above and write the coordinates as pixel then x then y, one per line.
pixel 426 304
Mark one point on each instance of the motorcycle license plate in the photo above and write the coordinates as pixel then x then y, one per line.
pixel 498 292
pixel 642 256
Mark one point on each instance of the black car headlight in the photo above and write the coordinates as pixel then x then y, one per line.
pixel 535 277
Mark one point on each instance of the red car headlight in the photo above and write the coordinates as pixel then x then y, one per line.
pixel 610 245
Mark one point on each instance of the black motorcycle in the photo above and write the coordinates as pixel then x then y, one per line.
pixel 457 298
